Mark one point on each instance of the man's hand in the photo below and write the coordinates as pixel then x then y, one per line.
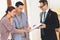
pixel 28 29
pixel 43 26
pixel 19 31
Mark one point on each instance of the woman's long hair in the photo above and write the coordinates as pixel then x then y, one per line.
pixel 9 9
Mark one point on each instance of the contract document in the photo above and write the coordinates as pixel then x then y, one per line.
pixel 35 26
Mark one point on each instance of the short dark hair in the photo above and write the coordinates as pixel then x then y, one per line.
pixel 43 1
pixel 19 3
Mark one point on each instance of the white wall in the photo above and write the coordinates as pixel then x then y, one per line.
pixel 54 3
pixel 33 18
pixel 14 1
pixel 3 7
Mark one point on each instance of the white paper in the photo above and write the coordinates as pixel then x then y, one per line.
pixel 37 25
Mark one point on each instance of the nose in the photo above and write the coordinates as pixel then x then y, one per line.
pixel 14 13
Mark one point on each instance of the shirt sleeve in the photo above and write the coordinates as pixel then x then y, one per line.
pixel 7 25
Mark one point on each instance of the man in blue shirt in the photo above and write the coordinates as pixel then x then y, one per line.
pixel 20 22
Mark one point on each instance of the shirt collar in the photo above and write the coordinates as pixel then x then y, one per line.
pixel 47 10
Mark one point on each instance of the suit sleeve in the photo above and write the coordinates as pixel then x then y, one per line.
pixel 54 23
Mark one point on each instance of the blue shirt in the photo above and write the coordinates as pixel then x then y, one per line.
pixel 17 36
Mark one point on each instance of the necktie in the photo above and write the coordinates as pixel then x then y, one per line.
pixel 43 17
pixel 43 20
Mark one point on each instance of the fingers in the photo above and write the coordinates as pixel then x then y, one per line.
pixel 43 26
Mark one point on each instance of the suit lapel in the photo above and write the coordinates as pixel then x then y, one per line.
pixel 48 14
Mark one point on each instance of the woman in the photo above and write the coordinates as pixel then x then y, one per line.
pixel 6 23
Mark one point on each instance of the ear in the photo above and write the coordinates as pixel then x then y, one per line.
pixel 8 11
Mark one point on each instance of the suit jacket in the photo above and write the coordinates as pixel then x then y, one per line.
pixel 5 28
pixel 51 22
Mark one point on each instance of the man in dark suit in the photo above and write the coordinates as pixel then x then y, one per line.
pixel 49 20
